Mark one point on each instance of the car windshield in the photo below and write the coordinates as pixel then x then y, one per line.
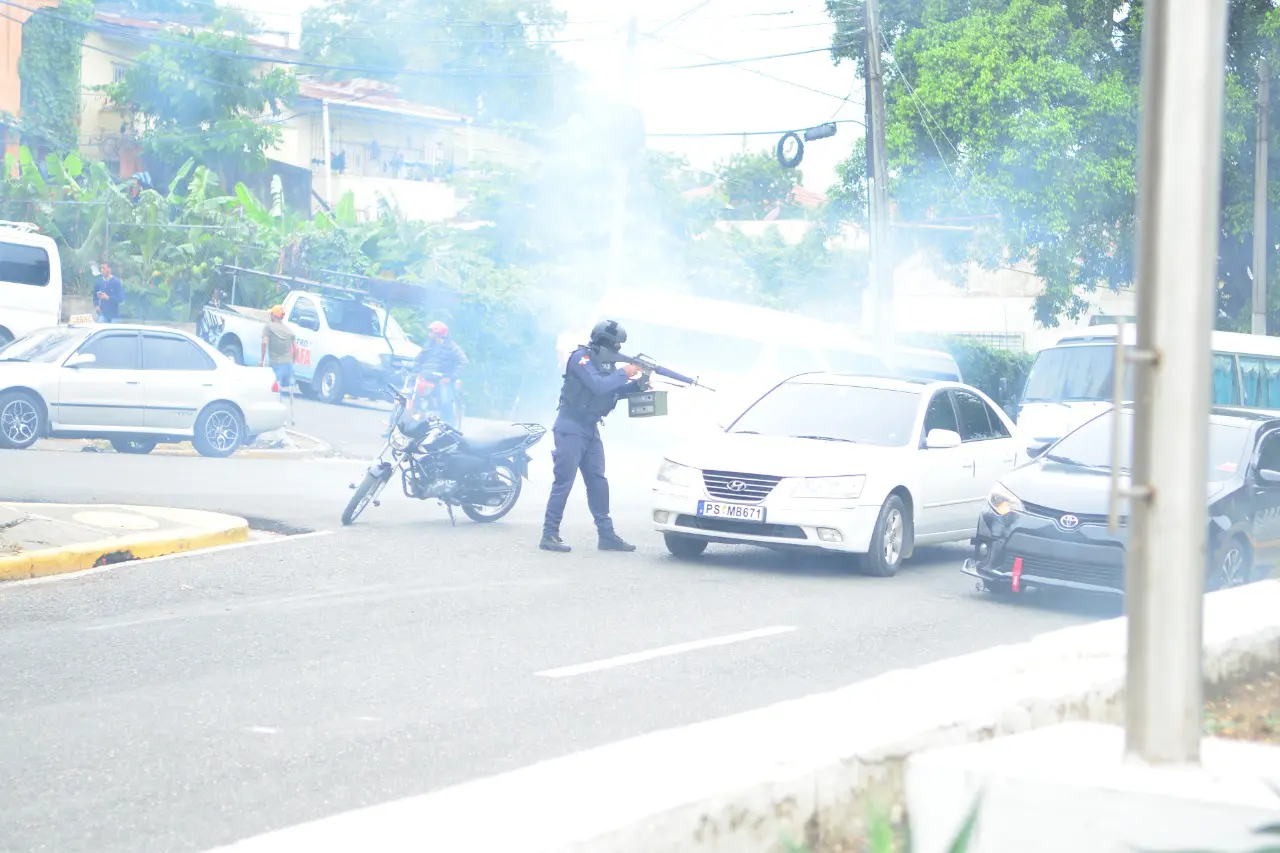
pixel 829 412
pixel 45 346
pixel 1090 446
pixel 1073 374
pixel 357 318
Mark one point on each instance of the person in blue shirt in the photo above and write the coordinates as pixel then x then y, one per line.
pixel 593 384
pixel 109 296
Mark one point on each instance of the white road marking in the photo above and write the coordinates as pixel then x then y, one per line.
pixel 665 651
pixel 263 730
pixel 130 563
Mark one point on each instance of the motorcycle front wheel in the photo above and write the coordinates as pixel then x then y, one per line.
pixel 364 495
pixel 504 478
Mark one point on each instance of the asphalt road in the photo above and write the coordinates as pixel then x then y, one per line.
pixel 179 704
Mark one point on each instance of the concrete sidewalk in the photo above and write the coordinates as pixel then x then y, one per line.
pixel 49 539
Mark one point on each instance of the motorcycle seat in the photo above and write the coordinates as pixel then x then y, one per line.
pixel 492 441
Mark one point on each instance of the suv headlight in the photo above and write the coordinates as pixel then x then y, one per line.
pixel 676 474
pixel 1003 501
pixel 831 487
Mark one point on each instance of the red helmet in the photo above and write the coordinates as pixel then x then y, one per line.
pixel 439 329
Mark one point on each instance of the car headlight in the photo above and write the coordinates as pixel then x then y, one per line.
pixel 1003 501
pixel 676 474
pixel 831 487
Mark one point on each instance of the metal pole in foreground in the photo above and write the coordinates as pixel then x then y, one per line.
pixel 1262 140
pixel 1183 72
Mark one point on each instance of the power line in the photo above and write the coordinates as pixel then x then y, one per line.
pixel 720 62
pixel 744 132
pixel 755 71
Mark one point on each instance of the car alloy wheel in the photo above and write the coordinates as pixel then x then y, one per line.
pixel 894 526
pixel 222 431
pixel 1231 567
pixel 19 422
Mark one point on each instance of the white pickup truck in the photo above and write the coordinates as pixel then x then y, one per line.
pixel 346 347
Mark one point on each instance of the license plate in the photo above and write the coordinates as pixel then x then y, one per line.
pixel 737 512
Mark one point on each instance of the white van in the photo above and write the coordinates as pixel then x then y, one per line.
pixel 1072 381
pixel 30 281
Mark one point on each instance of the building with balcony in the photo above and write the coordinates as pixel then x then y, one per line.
pixel 383 147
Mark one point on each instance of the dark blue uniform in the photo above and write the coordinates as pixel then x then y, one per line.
pixel 591 391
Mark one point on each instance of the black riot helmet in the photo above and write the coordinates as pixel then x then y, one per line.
pixel 607 334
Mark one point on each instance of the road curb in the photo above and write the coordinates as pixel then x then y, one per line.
pixel 200 530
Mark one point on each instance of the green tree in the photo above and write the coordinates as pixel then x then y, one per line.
pixel 756 183
pixel 489 58
pixel 49 70
pixel 204 101
pixel 848 198
pixel 1027 110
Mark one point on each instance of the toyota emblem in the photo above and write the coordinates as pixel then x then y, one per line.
pixel 1068 522
pixel 737 486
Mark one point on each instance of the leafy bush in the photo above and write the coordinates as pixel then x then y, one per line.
pixel 999 373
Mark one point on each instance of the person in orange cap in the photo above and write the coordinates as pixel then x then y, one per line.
pixel 278 348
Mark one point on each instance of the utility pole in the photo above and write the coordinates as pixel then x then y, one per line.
pixel 1261 152
pixel 881 282
pixel 1182 81
pixel 622 175
pixel 328 153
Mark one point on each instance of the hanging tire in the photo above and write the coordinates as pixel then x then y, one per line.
pixel 489 514
pixel 22 420
pixel 889 541
pixel 220 431
pixel 685 547
pixel 365 494
pixel 328 384
pixel 135 446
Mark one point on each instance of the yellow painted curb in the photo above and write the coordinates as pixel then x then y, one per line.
pixel 87 555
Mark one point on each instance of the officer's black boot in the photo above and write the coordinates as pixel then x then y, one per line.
pixel 613 542
pixel 552 542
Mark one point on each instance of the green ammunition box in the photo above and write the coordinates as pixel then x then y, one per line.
pixel 650 404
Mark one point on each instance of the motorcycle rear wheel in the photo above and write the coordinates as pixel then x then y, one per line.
pixel 362 498
pixel 489 514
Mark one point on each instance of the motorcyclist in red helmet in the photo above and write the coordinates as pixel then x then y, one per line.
pixel 443 356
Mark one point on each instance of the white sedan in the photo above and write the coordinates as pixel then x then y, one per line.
pixel 137 386
pixel 849 464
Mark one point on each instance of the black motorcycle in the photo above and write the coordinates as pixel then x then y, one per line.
pixel 437 462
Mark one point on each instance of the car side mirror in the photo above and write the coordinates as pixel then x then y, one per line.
pixel 1268 477
pixel 80 359
pixel 942 439
pixel 1038 447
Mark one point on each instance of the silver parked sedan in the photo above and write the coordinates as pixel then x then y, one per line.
pixel 137 386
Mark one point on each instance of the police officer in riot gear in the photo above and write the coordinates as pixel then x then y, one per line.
pixel 593 383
